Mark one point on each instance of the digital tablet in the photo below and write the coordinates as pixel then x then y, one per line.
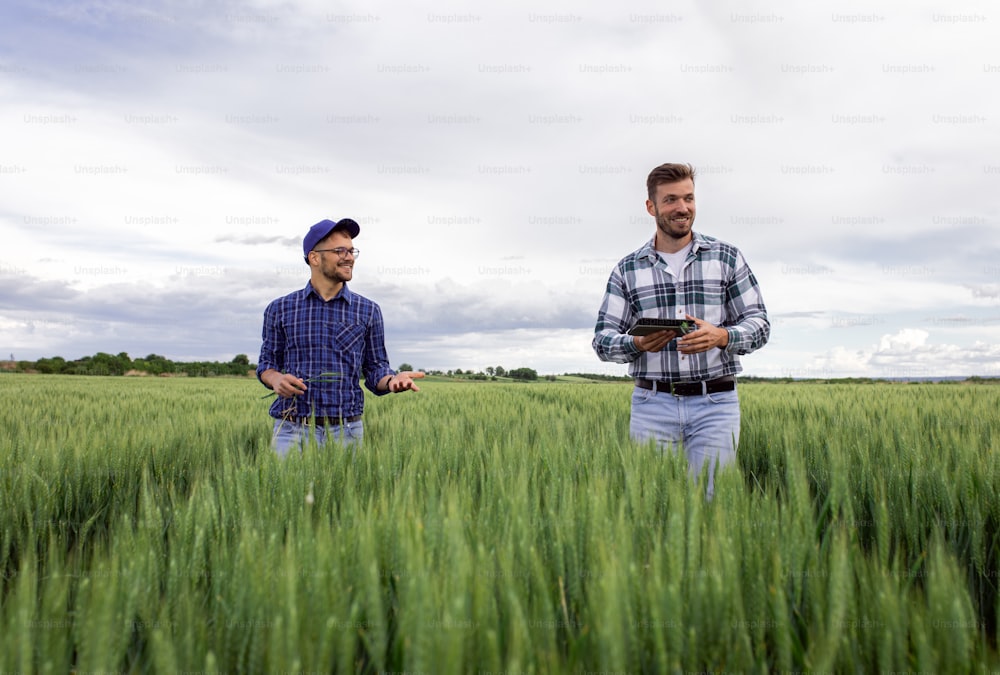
pixel 647 326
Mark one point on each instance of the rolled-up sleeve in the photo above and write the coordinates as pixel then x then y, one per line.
pixel 611 340
pixel 272 342
pixel 376 360
pixel 747 323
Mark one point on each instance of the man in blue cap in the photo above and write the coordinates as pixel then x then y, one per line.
pixel 318 341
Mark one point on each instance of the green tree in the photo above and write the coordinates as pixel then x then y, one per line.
pixel 53 365
pixel 154 364
pixel 404 366
pixel 106 364
pixel 241 360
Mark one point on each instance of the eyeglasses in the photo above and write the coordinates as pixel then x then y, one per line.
pixel 340 251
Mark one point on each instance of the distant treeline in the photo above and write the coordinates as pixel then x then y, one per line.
pixel 970 379
pixel 601 376
pixel 154 364
pixel 121 364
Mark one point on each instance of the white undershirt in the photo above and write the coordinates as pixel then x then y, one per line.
pixel 675 261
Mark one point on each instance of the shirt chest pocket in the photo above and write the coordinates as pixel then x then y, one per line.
pixel 335 338
pixel 346 337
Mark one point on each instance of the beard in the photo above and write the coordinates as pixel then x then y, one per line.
pixel 338 273
pixel 671 229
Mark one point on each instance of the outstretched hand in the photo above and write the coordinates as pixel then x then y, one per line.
pixel 403 381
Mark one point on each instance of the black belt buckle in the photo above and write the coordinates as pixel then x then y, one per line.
pixel 675 390
pixel 693 388
pixel 324 421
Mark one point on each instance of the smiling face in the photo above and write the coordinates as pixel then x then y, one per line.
pixel 328 264
pixel 673 207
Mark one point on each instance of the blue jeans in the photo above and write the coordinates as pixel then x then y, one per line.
pixel 705 428
pixel 289 434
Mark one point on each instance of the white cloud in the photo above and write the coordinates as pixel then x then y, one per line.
pixel 908 340
pixel 908 353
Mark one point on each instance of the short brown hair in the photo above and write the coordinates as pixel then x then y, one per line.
pixel 667 173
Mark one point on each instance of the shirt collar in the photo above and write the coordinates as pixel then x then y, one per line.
pixel 345 293
pixel 648 252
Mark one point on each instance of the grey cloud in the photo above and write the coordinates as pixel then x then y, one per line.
pixel 191 316
pixel 450 308
pixel 259 239
pixel 222 312
pixel 969 249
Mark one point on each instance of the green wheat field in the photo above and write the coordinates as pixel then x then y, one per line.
pixel 145 526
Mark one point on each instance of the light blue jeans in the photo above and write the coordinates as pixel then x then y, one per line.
pixel 705 428
pixel 289 434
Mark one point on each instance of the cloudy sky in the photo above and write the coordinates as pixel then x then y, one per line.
pixel 161 161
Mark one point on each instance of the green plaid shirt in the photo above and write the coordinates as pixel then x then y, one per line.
pixel 716 285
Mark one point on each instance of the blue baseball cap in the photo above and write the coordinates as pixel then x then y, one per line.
pixel 324 227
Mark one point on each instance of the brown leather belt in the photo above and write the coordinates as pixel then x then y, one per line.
pixel 327 421
pixel 727 383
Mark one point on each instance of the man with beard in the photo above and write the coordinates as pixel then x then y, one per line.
pixel 318 341
pixel 685 382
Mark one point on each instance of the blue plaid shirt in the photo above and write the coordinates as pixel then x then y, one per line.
pixel 716 285
pixel 307 336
